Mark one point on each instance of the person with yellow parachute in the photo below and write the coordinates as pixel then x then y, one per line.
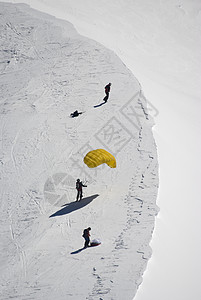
pixel 97 157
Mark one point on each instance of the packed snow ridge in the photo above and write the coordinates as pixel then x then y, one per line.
pixel 47 72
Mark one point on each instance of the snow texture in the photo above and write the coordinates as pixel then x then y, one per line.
pixel 47 72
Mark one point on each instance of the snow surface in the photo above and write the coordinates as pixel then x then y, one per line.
pixel 160 42
pixel 47 72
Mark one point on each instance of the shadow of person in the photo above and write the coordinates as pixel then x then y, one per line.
pixel 70 207
pixel 78 251
pixel 98 105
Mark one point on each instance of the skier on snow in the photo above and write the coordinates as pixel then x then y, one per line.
pixel 107 91
pixel 86 236
pixel 79 186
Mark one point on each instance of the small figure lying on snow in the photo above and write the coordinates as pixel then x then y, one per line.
pixel 75 114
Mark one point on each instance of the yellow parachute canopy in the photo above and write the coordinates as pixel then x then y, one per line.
pixel 99 156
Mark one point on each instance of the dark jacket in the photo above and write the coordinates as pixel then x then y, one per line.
pixel 79 185
pixel 86 233
pixel 107 88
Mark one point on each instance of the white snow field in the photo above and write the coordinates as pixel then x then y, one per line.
pixel 160 42
pixel 47 72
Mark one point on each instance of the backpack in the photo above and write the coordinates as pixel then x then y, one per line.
pixel 78 185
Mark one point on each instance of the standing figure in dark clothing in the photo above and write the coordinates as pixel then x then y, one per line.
pixel 79 186
pixel 86 236
pixel 107 91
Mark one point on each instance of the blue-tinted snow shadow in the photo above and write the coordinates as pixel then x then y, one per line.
pixel 98 105
pixel 70 207
pixel 81 249
pixel 78 251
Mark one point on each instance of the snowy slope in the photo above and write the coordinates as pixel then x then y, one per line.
pixel 47 72
pixel 160 42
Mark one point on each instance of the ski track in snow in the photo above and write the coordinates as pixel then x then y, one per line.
pixel 46 73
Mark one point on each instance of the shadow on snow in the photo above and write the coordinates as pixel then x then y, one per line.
pixel 70 207
pixel 78 251
pixel 98 105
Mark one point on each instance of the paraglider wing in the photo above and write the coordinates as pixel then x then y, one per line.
pixel 97 157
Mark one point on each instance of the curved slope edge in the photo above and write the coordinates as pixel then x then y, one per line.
pixel 47 72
